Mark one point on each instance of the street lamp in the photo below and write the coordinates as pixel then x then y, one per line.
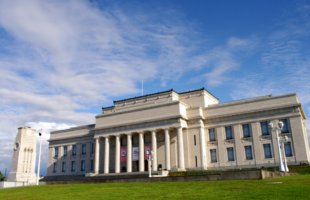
pixel 281 167
pixel 38 172
pixel 284 156
pixel 149 155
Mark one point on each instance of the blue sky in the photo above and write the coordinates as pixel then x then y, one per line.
pixel 61 61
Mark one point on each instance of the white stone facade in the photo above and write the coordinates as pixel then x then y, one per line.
pixel 24 157
pixel 186 131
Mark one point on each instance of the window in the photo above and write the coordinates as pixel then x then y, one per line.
pixel 264 126
pixel 267 151
pixel 228 133
pixel 288 149
pixel 196 161
pixel 212 134
pixel 55 167
pixel 73 166
pixel 83 148
pixel 121 141
pixel 230 154
pixel 65 150
pixel 285 126
pixel 64 166
pixel 74 150
pixel 213 155
pixel 91 165
pixel 83 165
pixel 246 130
pixel 56 151
pixel 248 152
pixel 92 148
pixel 195 140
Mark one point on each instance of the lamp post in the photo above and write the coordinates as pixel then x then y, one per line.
pixel 284 156
pixel 149 159
pixel 38 172
pixel 281 167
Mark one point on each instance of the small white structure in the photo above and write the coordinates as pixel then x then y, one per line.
pixel 24 157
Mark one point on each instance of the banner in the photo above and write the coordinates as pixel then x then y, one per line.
pixel 135 153
pixel 124 155
pixel 149 148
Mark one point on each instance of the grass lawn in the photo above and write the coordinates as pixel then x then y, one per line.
pixel 294 187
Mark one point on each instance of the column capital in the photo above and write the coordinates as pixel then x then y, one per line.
pixel 106 136
pixel 130 133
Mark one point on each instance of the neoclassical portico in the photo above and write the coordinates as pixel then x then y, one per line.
pixel 141 133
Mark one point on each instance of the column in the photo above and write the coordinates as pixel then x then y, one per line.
pixel 221 150
pixel 106 155
pixel 239 149
pixel 141 152
pixel 117 154
pixel 180 148
pixel 129 153
pixel 154 149
pixel 97 156
pixel 257 146
pixel 203 148
pixel 167 149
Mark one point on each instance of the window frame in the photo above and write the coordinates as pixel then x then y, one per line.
pixel 73 150
pixel 73 166
pixel 290 145
pixel 213 134
pixel 265 145
pixel 55 167
pixel 213 150
pixel 56 152
pixel 65 150
pixel 83 149
pixel 261 125
pixel 250 148
pixel 285 124
pixel 249 130
pixel 233 154
pixel 82 165
pixel 230 133
pixel 63 167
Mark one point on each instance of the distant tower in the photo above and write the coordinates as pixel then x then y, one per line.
pixel 24 156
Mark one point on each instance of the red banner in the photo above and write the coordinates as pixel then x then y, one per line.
pixel 124 155
pixel 149 148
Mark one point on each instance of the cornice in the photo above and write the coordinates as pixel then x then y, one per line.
pixel 75 128
pixel 245 101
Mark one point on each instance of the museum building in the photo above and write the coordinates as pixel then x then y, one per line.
pixel 185 131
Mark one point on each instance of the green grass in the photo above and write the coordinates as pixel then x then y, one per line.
pixel 293 187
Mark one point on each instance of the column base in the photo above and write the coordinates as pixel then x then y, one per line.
pixel 178 170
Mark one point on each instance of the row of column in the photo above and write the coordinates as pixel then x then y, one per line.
pixel 141 152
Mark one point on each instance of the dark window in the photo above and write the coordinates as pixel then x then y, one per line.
pixel 121 141
pixel 212 134
pixel 228 133
pixel 55 167
pixel 56 151
pixel 195 140
pixel 73 166
pixel 74 150
pixel 92 148
pixel 285 126
pixel 230 154
pixel 196 160
pixel 91 165
pixel 288 149
pixel 267 150
pixel 65 150
pixel 82 165
pixel 248 152
pixel 213 155
pixel 64 166
pixel 265 130
pixel 246 130
pixel 83 148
